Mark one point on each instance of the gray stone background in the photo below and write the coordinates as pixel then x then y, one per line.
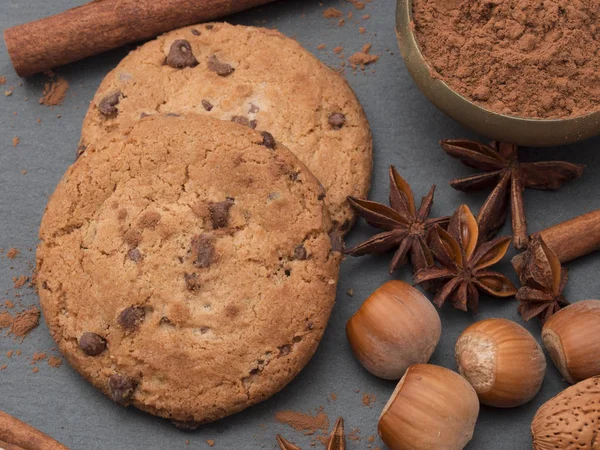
pixel 406 129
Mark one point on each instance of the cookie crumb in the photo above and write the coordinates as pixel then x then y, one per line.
pixel 341 23
pixel 8 304
pixel 350 292
pixel 354 435
pixel 8 93
pixel 19 282
pixel 25 322
pixel 35 369
pixel 55 362
pixel 333 396
pixel 368 400
pixel 210 442
pixel 38 356
pixel 6 320
pixel 362 30
pixel 187 442
pixel 350 14
pixel 2 80
pixel 12 253
pixel 366 17
pixel 54 92
pixel 339 49
pixel 371 439
pixel 15 141
pixel 9 354
pixel 4 366
pixel 331 13
pixel 358 5
pixel 321 47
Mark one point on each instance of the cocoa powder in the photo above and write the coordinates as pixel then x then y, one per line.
pixel 54 92
pixel 25 322
pixel 528 58
pixel 307 423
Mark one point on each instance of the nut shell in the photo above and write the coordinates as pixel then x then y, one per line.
pixel 572 338
pixel 432 408
pixel 571 420
pixel 396 327
pixel 502 361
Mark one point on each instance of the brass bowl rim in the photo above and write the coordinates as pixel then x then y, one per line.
pixel 480 119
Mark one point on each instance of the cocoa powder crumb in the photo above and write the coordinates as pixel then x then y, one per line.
pixel 368 400
pixel 527 58
pixel 362 59
pixel 350 14
pixel 9 354
pixel 55 362
pixel 341 23
pixel 321 47
pixel 25 322
pixel 18 353
pixel 358 5
pixel 307 423
pixel 15 141
pixel 366 17
pixel 35 369
pixel 12 253
pixel 331 13
pixel 362 30
pixel 354 435
pixel 8 304
pixel 338 49
pixel 4 366
pixel 2 80
pixel 54 92
pixel 38 356
pixel 210 442
pixel 333 396
pixel 371 439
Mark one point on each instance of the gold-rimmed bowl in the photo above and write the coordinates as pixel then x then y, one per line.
pixel 517 130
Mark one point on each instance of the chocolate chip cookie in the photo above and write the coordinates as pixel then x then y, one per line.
pixel 255 77
pixel 187 268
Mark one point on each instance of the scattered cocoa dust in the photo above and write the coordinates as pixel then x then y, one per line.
pixel 12 253
pixel 54 92
pixel 528 58
pixel 332 13
pixel 306 423
pixel 23 323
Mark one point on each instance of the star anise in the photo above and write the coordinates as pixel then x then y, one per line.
pixel 405 227
pixel 286 445
pixel 502 169
pixel 465 263
pixel 337 439
pixel 543 280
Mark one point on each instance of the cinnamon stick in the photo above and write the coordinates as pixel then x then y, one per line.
pixel 17 435
pixel 102 25
pixel 573 238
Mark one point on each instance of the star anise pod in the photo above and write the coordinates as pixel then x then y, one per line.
pixel 286 445
pixel 465 263
pixel 405 227
pixel 502 169
pixel 543 280
pixel 337 439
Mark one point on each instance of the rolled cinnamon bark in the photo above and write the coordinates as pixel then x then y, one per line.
pixel 572 238
pixel 102 25
pixel 17 435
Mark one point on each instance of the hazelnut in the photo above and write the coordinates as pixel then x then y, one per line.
pixel 570 420
pixel 571 338
pixel 395 327
pixel 431 408
pixel 502 361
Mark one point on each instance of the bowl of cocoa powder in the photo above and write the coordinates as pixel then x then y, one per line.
pixel 519 71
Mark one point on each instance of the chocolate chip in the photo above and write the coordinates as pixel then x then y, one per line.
pixel 268 140
pixel 130 318
pixel 337 243
pixel 92 344
pixel 209 27
pixel 203 250
pixel 300 253
pixel 80 150
pixel 180 55
pixel 222 69
pixel 134 255
pixel 191 281
pixel 219 213
pixel 195 32
pixel 150 219
pixel 207 105
pixel 244 121
pixel 186 425
pixel 253 109
pixel 108 105
pixel 336 120
pixel 132 237
pixel 121 388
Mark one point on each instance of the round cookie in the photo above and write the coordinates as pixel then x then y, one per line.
pixel 257 77
pixel 187 268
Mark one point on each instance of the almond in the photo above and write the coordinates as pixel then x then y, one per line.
pixel 570 420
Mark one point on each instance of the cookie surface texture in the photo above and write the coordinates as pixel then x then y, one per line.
pixel 187 268
pixel 253 76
